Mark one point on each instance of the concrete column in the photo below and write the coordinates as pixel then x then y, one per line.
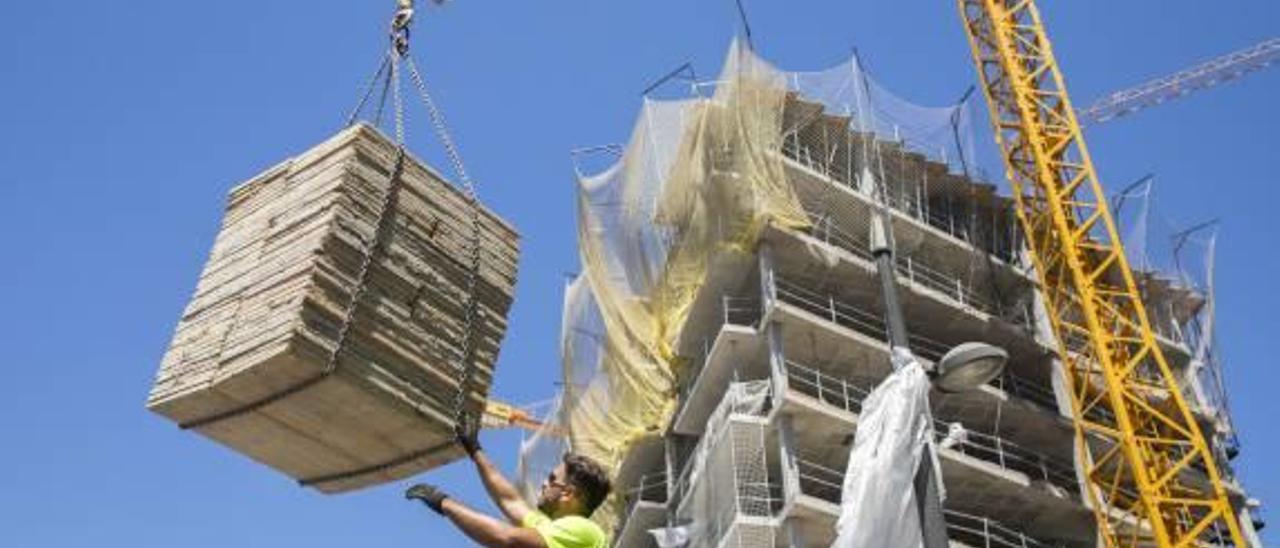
pixel 670 444
pixel 777 360
pixel 1061 393
pixel 1045 335
pixel 795 539
pixel 768 287
pixel 790 468
pixel 1247 527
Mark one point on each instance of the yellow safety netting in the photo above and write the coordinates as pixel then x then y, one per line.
pixel 698 176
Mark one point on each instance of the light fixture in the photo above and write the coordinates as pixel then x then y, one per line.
pixel 968 366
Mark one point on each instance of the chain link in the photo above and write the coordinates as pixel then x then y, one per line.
pixel 442 129
pixel 383 226
pixel 466 369
pixel 397 102
pixel 368 92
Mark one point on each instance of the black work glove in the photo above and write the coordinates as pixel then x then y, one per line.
pixel 430 495
pixel 468 436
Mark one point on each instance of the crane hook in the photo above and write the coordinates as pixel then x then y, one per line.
pixel 400 26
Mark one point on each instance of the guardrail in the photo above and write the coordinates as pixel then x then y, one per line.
pixel 820 481
pixel 741 311
pixel 650 488
pixel 981 532
pixel 908 268
pixel 826 483
pixel 914 208
pixel 1010 456
pixel 825 388
pixel 842 394
pixel 846 315
pixel 1027 390
pixel 747 398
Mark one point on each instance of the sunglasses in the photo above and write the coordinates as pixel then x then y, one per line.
pixel 552 480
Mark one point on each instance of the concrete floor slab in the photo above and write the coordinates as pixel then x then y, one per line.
pixel 642 517
pixel 730 273
pixel 646 455
pixel 737 351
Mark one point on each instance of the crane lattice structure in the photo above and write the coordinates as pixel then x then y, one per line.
pixel 1202 76
pixel 1150 475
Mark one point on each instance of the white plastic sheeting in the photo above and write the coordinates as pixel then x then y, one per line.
pixel 675 537
pixel 878 504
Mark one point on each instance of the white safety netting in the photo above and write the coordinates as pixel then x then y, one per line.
pixel 728 474
pixel 944 134
pixel 1174 263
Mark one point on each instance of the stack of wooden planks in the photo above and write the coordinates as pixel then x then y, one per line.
pixel 250 361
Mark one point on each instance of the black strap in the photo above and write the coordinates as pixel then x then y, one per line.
pixel 376 468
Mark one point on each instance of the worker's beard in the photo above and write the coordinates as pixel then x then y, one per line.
pixel 556 506
pixel 546 503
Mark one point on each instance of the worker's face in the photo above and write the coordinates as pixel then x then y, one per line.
pixel 556 495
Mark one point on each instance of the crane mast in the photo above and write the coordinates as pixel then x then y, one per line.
pixel 1149 472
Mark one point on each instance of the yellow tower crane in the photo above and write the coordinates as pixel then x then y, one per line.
pixel 1151 476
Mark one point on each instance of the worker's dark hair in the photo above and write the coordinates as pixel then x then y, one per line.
pixel 588 478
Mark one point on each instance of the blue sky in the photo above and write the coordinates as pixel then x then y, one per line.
pixel 125 123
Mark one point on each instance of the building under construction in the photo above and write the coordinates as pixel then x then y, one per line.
pixel 727 324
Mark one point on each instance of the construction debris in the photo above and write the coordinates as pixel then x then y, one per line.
pixel 261 361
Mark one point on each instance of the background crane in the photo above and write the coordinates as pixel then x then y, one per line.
pixel 1199 77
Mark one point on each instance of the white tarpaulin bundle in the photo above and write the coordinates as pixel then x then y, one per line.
pixel 675 537
pixel 878 506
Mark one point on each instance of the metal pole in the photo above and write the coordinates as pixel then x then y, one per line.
pixel 955 131
pixel 895 322
pixel 928 500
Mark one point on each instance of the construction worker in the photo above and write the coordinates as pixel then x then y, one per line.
pixel 567 498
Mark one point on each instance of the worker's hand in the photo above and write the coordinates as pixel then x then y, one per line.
pixel 430 495
pixel 467 434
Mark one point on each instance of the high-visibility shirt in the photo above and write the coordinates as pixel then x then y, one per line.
pixel 565 532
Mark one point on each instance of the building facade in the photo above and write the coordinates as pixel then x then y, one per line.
pixel 783 343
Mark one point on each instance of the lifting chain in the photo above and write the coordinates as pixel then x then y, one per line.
pixel 465 368
pixel 465 420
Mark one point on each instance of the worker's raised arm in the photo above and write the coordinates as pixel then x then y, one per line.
pixel 480 528
pixel 490 532
pixel 500 489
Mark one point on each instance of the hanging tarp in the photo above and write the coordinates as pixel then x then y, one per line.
pixel 878 505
